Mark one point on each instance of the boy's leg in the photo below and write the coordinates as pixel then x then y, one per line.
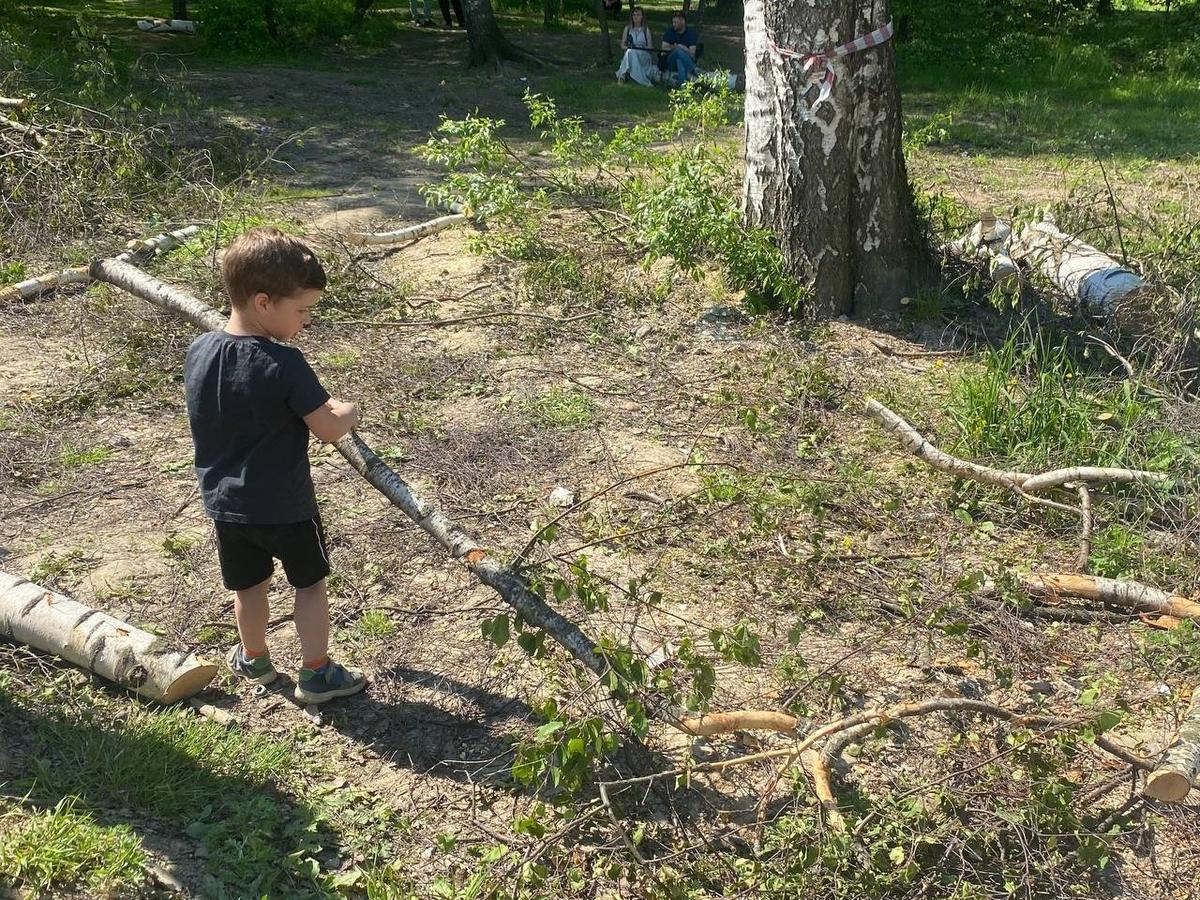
pixel 312 624
pixel 252 611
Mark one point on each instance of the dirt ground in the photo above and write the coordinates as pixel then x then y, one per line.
pixel 101 501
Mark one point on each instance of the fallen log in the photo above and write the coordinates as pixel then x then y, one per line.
pixel 1175 774
pixel 138 250
pixel 14 102
pixel 462 546
pixel 30 131
pixel 988 240
pixel 1089 276
pixel 98 642
pixel 411 233
pixel 1131 594
pixel 167 26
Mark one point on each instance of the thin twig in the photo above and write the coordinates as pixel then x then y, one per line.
pixel 1085 537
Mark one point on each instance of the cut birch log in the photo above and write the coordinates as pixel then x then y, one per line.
pixel 1175 774
pixel 136 251
pixel 1131 594
pixel 511 587
pixel 14 102
pixel 98 642
pixel 411 233
pixel 167 26
pixel 988 240
pixel 1087 275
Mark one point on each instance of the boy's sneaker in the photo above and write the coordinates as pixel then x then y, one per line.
pixel 257 669
pixel 327 682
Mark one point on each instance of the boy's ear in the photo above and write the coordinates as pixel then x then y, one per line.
pixel 261 301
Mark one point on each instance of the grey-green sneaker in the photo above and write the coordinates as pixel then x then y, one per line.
pixel 259 669
pixel 327 682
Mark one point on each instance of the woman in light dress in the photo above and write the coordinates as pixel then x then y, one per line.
pixel 640 61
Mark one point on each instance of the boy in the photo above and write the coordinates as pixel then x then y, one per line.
pixel 252 403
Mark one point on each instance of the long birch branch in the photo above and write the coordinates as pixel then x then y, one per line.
pixel 461 545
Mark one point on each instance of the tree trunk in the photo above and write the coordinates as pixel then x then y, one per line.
pixel 605 39
pixel 179 9
pixel 269 16
pixel 832 183
pixel 360 10
pixel 547 12
pixel 487 45
pixel 98 642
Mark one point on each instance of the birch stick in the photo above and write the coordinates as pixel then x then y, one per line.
pixel 411 233
pixel 456 541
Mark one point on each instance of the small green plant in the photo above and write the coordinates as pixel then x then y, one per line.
pixel 12 272
pixel 376 623
pixel 64 848
pixel 73 457
pixel 560 408
pixel 341 360
pixel 56 566
pixel 177 547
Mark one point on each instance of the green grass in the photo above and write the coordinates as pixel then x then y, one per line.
pixel 1034 406
pixel 65 847
pixel 55 565
pixel 1125 86
pixel 232 792
pixel 73 457
pixel 560 408
pixel 376 623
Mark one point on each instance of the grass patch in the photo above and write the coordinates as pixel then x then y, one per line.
pixel 560 408
pixel 65 847
pixel 73 457
pixel 1034 406
pixel 376 623
pixel 55 566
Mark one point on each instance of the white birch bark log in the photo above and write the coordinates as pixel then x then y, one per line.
pixel 1088 276
pixel 14 102
pixel 402 235
pixel 136 251
pixel 167 26
pixel 1175 774
pixel 98 642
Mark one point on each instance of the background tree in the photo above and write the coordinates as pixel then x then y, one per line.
pixel 832 184
pixel 486 43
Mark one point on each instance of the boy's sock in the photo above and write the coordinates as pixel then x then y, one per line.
pixel 253 666
pixel 248 654
pixel 317 665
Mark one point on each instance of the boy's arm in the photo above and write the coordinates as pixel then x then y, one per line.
pixel 332 420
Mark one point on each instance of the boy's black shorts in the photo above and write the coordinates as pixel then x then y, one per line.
pixel 248 553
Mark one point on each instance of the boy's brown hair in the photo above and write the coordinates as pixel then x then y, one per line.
pixel 265 260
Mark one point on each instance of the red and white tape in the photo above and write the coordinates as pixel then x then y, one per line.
pixel 812 60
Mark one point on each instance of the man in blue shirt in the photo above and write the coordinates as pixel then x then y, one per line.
pixel 679 43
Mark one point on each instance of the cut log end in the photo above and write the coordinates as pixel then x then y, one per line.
pixel 190 682
pixel 1167 785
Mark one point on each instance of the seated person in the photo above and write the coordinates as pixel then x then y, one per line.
pixel 679 45
pixel 639 62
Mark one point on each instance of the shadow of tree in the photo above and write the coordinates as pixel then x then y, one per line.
pixel 213 802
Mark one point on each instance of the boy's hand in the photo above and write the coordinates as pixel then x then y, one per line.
pixel 332 420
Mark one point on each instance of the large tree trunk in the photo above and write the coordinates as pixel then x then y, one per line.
pixel 605 40
pixel 96 641
pixel 487 45
pixel 179 9
pixel 831 183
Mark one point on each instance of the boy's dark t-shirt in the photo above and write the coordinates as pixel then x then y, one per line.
pixel 246 399
pixel 687 39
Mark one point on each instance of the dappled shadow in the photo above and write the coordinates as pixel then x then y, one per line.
pixel 165 781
